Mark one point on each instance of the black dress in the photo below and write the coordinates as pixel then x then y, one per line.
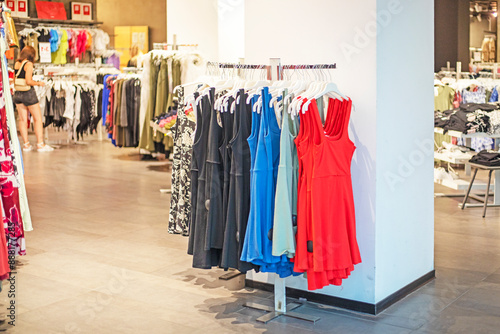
pixel 214 185
pixel 203 258
pixel 239 189
pixel 227 119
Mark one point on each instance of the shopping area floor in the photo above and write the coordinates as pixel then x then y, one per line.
pixel 100 260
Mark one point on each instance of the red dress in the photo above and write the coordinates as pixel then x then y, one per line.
pixel 326 237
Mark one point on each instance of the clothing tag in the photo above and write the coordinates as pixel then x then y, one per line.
pixel 310 246
pixel 45 55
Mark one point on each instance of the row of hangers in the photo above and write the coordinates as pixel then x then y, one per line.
pixel 310 82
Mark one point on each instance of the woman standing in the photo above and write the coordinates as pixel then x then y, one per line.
pixel 26 100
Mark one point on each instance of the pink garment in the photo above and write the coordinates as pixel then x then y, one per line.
pixel 81 43
pixel 72 43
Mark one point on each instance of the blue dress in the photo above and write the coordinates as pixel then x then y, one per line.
pixel 265 150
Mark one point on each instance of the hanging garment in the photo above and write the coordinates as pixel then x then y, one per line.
pixel 444 98
pixel 227 123
pixel 180 202
pixel 285 214
pixel 9 190
pixel 15 147
pixel 202 258
pixel 29 37
pixel 214 185
pixel 59 56
pixel 147 142
pixel 101 41
pixel 257 247
pixel 145 81
pixel 329 250
pixel 238 197
pixel 81 43
pixel 162 96
pixel 4 253
pixel 54 40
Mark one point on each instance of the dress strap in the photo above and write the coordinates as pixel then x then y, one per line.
pixel 347 118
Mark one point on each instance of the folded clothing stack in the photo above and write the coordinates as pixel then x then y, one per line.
pixel 486 158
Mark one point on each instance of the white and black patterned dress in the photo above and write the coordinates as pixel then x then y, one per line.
pixel 180 203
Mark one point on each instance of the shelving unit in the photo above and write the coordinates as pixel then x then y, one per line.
pixel 460 184
pixel 62 22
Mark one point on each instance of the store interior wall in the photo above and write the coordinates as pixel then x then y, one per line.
pixel 194 22
pixel 451 34
pixel 67 5
pixel 231 27
pixel 479 29
pixel 405 148
pixel 403 221
pixel 151 13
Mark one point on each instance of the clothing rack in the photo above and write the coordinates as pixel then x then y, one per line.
pixel 64 26
pixel 280 306
pixel 174 45
pixel 275 72
pixel 164 46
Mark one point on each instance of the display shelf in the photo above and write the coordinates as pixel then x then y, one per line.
pixel 49 21
pixel 452 160
pixel 460 184
pixel 160 129
pixel 459 134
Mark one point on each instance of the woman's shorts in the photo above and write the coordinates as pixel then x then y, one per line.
pixel 28 98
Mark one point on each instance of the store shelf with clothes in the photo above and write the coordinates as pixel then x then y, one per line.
pixel 163 70
pixel 67 43
pixel 466 96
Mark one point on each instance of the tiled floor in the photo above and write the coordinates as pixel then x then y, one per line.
pixel 101 261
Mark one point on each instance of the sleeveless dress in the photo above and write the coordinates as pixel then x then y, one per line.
pixel 285 213
pixel 180 202
pixel 326 205
pixel 196 152
pixel 214 183
pixel 257 247
pixel 203 258
pixel 238 206
pixel 331 188
pixel 227 120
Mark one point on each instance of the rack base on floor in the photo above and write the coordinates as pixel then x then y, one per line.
pixel 273 314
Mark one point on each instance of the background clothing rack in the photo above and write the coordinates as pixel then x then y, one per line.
pixel 174 45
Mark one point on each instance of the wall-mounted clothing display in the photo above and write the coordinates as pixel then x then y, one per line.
pixel 66 43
